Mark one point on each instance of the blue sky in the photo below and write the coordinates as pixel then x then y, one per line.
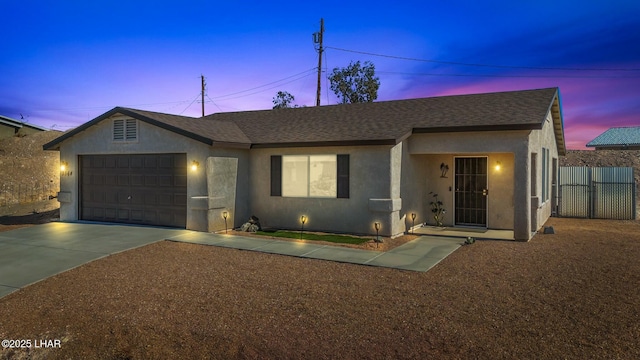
pixel 66 62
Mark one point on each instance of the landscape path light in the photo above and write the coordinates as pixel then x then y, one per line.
pixel 376 225
pixel 303 219
pixel 413 222
pixel 224 215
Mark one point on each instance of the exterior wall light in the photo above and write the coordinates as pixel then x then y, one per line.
pixel 194 165
pixel 225 214
pixel 64 169
pixel 498 166
pixel 303 219
pixel 444 168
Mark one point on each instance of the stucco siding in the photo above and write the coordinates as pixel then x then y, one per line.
pixel 538 140
pixel 507 197
pixel 467 142
pixel 369 178
pixel 413 189
pixel 500 196
pixel 97 140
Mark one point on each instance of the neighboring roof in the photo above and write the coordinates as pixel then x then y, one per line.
pixel 385 122
pixel 18 124
pixel 617 136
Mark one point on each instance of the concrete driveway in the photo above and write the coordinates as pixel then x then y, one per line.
pixel 31 254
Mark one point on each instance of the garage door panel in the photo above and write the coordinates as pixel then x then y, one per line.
pixel 150 217
pixel 110 162
pixel 123 180
pixel 180 181
pixel 110 180
pixel 97 179
pixel 137 188
pixel 110 213
pixel 165 180
pixel 150 162
pixel 137 162
pixel 165 162
pixel 179 200
pixel 150 199
pixel 137 216
pixel 164 200
pixel 180 162
pixel 137 180
pixel 123 214
pixel 150 180
pixel 123 161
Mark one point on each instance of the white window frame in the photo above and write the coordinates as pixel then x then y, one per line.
pixel 545 174
pixel 308 178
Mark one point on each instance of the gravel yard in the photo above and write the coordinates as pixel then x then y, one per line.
pixel 571 295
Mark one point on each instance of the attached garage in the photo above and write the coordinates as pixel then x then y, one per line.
pixel 149 189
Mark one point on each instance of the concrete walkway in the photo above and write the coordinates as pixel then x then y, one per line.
pixel 420 254
pixel 31 254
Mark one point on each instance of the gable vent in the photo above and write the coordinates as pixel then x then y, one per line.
pixel 125 130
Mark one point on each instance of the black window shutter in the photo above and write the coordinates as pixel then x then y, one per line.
pixel 343 176
pixel 276 175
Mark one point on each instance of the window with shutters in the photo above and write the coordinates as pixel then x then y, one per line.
pixel 314 176
pixel 125 130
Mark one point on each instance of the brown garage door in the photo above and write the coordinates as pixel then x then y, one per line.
pixel 148 189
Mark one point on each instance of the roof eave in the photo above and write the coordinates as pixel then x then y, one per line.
pixel 477 128
pixel 558 123
pixel 234 145
pixel 326 143
pixel 54 145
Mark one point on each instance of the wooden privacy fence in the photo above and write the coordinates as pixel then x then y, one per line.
pixel 597 192
pixel 22 193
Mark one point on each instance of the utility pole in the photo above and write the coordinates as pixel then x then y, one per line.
pixel 203 86
pixel 317 39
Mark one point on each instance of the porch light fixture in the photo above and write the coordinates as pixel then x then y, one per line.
pixel 225 214
pixel 64 166
pixel 413 221
pixel 303 219
pixel 498 166
pixel 194 165
pixel 444 168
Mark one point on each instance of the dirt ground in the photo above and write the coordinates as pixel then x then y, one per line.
pixel 571 295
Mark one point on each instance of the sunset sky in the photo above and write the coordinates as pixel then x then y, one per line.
pixel 66 62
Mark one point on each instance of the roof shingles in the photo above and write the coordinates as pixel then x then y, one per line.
pixel 377 122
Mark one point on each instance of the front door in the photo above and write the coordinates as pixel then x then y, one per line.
pixel 471 191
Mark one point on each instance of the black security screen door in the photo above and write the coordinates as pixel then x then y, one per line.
pixel 471 191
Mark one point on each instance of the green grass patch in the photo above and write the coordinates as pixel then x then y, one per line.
pixel 318 237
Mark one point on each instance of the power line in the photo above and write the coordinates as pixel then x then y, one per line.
pixel 267 84
pixel 312 72
pixel 194 100
pixel 110 107
pixel 480 65
pixel 214 103
pixel 510 76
